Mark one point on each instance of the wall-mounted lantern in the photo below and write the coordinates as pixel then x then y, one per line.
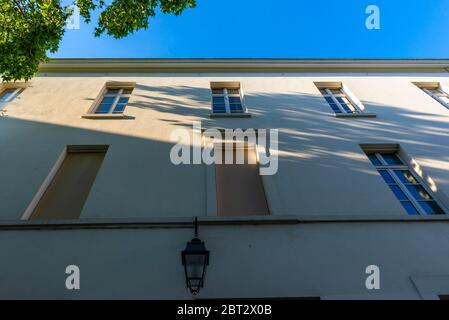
pixel 195 259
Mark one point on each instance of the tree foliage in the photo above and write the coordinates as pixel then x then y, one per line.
pixel 29 29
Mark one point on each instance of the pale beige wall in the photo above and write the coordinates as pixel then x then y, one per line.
pixel 322 170
pixel 326 260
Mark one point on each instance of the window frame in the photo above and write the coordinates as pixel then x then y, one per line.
pixel 14 95
pixel 360 111
pixel 26 216
pixel 234 144
pixel 331 95
pixel 92 112
pixel 114 104
pixel 427 86
pixel 219 141
pixel 225 86
pixel 18 88
pixel 405 167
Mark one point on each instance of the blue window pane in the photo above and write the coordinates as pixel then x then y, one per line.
pixel 418 192
pixel 220 108
pixel 235 100
pixel 347 109
pixel 329 100
pixel 335 108
pixel 431 207
pixel 392 159
pixel 398 192
pixel 345 105
pixel 405 176
pixel 340 100
pixel 333 105
pixel 410 208
pixel 103 108
pixel 236 108
pixel 387 177
pixel 6 95
pixel 108 100
pixel 374 160
pixel 123 100
pixel 218 100
pixel 119 108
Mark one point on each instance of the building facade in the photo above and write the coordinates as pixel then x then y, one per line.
pixel 362 179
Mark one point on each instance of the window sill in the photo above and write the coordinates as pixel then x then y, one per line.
pixel 103 116
pixel 355 115
pixel 230 115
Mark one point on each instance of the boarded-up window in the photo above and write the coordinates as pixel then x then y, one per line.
pixel 240 190
pixel 67 192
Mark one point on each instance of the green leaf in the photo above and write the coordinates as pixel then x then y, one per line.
pixel 31 28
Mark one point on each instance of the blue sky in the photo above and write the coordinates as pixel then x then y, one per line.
pixel 278 29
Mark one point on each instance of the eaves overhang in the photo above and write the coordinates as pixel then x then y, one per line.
pixel 243 65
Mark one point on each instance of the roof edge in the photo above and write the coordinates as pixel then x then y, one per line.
pixel 240 65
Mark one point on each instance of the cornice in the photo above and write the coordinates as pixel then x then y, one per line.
pixel 243 65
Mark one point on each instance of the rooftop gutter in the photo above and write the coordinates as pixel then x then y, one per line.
pixel 244 65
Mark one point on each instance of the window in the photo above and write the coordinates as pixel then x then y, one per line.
pixel 342 101
pixel 436 91
pixel 63 194
pixel 339 101
pixel 414 195
pixel 8 95
pixel 239 187
pixel 114 101
pixel 227 99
